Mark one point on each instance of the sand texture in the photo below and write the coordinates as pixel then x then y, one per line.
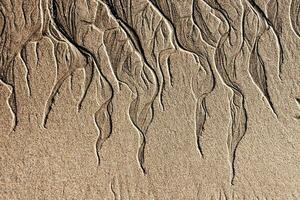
pixel 150 99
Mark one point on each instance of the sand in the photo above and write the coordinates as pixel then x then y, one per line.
pixel 149 99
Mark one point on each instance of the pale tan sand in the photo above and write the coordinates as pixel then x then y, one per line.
pixel 150 99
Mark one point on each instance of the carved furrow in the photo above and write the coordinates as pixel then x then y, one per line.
pixel 12 42
pixel 126 19
pixel 112 188
pixel 294 16
pixel 276 32
pixel 153 33
pixel 298 104
pixel 12 101
pixel 141 119
pixel 298 101
pixel 237 103
pixel 159 55
pixel 23 57
pixel 276 22
pixel 66 25
pixel 50 101
pixel 249 20
pixel 188 38
pixel 226 54
pixel 105 128
pixel 77 59
pixel 89 73
pixel 138 119
pixel 207 35
pixel 239 26
pixel 238 127
pixel 258 74
pixel 104 116
pixel 201 115
pixel 147 32
pixel 256 63
pixel 272 13
pixel 141 108
pixel 129 65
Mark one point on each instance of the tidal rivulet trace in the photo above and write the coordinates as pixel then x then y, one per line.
pixel 61 23
pixel 138 38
